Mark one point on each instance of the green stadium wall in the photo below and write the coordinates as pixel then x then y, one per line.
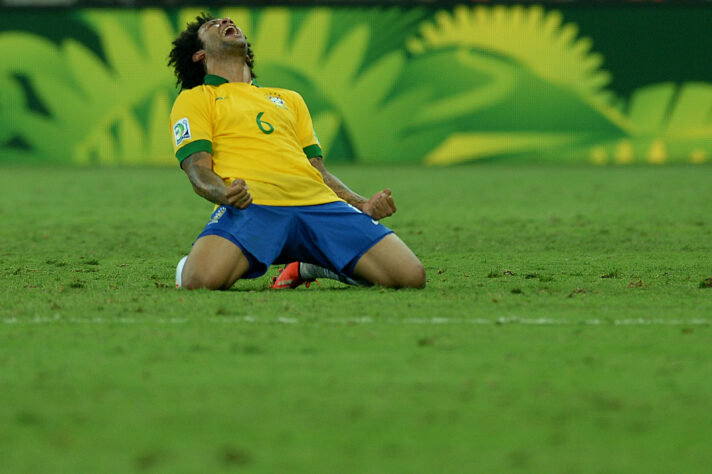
pixel 587 84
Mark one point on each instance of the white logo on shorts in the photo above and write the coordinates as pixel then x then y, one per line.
pixel 218 214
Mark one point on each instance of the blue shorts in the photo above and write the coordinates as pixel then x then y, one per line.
pixel 333 235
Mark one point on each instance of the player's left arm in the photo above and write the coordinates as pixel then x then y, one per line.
pixel 379 206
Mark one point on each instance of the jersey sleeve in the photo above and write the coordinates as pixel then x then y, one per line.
pixel 305 129
pixel 191 123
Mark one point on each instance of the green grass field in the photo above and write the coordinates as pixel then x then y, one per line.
pixel 565 328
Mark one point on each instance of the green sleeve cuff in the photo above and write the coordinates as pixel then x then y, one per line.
pixel 194 147
pixel 312 151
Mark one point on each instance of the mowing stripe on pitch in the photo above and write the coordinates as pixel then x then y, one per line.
pixel 512 320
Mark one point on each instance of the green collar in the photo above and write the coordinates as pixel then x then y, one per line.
pixel 213 80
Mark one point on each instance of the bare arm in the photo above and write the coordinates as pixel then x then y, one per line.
pixel 341 190
pixel 379 206
pixel 199 168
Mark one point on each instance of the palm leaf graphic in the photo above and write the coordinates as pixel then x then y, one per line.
pixel 521 81
pixel 530 35
pixel 93 107
pixel 29 49
pixel 390 27
pixel 668 123
pixel 11 104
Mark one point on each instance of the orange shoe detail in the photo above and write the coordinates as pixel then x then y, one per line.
pixel 289 278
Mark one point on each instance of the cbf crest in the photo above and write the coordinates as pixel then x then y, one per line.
pixel 276 99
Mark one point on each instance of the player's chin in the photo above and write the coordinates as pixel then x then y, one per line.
pixel 235 40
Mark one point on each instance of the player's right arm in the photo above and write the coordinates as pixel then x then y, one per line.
pixel 192 123
pixel 199 168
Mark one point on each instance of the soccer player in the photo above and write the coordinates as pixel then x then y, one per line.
pixel 253 152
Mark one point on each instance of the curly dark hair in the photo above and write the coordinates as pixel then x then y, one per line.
pixel 188 73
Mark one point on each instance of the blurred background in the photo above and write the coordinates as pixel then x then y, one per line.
pixel 422 82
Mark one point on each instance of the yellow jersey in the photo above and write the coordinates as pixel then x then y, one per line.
pixel 260 134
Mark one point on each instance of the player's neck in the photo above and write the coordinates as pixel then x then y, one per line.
pixel 233 70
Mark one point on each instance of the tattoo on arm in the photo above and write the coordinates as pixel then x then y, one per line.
pixel 336 185
pixel 199 168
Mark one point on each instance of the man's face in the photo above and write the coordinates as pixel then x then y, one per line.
pixel 221 34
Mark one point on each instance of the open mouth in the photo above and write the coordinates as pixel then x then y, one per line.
pixel 231 31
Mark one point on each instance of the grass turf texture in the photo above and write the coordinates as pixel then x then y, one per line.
pixel 565 328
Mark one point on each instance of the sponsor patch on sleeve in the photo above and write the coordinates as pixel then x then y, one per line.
pixel 181 131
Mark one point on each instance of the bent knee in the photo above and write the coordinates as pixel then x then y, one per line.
pixel 197 280
pixel 415 277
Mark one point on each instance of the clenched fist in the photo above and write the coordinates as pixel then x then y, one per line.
pixel 237 194
pixel 380 205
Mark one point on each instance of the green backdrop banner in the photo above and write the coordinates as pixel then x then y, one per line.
pixel 384 85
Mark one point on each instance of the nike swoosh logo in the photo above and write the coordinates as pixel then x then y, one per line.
pixel 219 98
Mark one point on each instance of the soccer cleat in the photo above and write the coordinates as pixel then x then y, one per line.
pixel 289 278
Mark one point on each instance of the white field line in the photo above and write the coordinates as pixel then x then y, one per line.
pixel 59 319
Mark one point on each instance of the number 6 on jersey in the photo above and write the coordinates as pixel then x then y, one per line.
pixel 261 124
